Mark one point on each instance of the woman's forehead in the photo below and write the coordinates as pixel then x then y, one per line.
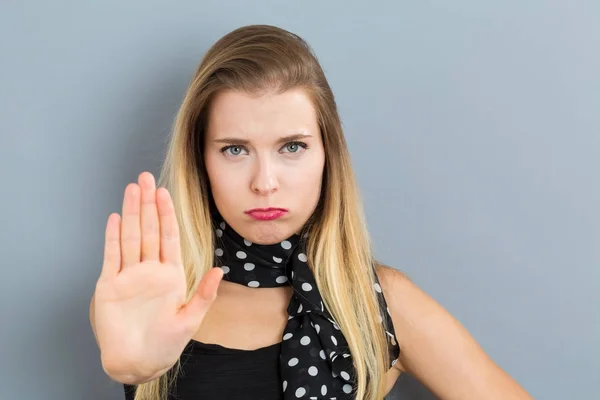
pixel 269 116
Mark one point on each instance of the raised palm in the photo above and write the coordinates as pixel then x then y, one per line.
pixel 142 320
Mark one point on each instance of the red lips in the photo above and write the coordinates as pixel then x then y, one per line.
pixel 266 214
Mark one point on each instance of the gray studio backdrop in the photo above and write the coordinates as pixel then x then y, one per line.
pixel 474 128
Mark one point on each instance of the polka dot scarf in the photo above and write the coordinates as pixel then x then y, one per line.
pixel 315 361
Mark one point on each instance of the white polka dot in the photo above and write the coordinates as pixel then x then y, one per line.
pixel 287 336
pixel 302 257
pixel 222 225
pixel 323 390
pixel 346 355
pixel 332 354
pixel 277 259
pixel 322 354
pixel 292 274
pixel 306 287
pixel 347 388
pixel 300 309
pixel 219 233
pixel 281 279
pixel 247 242
pixel 336 327
pixel 293 362
pixel 334 374
pixel 286 245
pixel 345 375
pixel 317 328
pixel 219 252
pixel 377 287
pixel 313 371
pixel 249 266
pixel 225 269
pixel 253 284
pixel 305 341
pixel 392 339
pixel 240 254
pixel 300 392
pixel 284 385
pixel 333 339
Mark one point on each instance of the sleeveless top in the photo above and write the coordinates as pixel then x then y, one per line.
pixel 211 372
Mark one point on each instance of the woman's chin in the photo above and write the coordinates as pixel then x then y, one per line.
pixel 266 232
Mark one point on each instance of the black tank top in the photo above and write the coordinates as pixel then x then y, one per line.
pixel 211 372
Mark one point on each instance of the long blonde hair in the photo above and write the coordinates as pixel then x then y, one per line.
pixel 257 59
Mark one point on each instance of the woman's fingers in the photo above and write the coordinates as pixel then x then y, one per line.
pixel 149 228
pixel 130 227
pixel 112 246
pixel 170 247
pixel 149 218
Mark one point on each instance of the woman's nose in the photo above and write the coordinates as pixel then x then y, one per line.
pixel 264 180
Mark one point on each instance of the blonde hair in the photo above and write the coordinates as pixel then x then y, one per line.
pixel 258 59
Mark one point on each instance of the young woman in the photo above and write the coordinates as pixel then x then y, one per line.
pixel 247 271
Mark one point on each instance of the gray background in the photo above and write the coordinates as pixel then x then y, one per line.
pixel 474 127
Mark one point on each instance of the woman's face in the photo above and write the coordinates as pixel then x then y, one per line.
pixel 265 158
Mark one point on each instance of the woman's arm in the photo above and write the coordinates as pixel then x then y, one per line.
pixel 437 350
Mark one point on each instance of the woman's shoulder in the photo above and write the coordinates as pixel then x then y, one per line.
pixel 388 272
pixel 391 279
pixel 417 317
pixel 410 307
pixel 436 349
pixel 412 310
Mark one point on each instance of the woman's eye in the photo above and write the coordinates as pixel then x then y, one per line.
pixel 294 147
pixel 233 150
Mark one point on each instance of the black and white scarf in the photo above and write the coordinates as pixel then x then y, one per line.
pixel 315 359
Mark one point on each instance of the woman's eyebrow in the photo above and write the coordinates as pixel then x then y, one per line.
pixel 284 139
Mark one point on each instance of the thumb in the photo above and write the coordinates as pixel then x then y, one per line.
pixel 194 311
